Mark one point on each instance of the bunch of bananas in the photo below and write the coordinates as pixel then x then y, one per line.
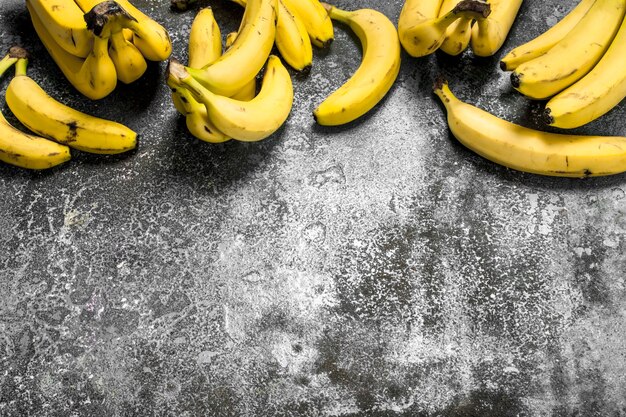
pixel 427 25
pixel 531 150
pixel 96 43
pixel 50 119
pixel 217 92
pixel 577 64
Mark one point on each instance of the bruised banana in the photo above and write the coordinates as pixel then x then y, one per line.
pixel 243 61
pixel 488 35
pixel 95 76
pixel 423 36
pixel 530 150
pixel 64 22
pixel 51 119
pixel 458 34
pixel 148 35
pixel 596 93
pixel 544 42
pixel 574 56
pixel 21 149
pixel 245 121
pixel 378 70
pixel 315 18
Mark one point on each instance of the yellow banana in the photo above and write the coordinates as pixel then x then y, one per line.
pixel 230 39
pixel 248 92
pixel 129 63
pixel 378 70
pixel 458 34
pixel 196 118
pixel 205 39
pixel 64 21
pixel 530 150
pixel 596 93
pixel 574 56
pixel 544 42
pixel 51 119
pixel 148 35
pixel 488 35
pixel 315 18
pixel 415 12
pixel 243 61
pixel 421 36
pixel 23 150
pixel 95 76
pixel 246 121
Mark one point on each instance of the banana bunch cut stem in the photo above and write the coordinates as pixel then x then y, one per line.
pixel 531 150
pixel 577 64
pixel 96 44
pixel 424 26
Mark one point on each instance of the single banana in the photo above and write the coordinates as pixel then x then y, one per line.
pixel 488 35
pixel 49 118
pixel 246 121
pixel 148 35
pixel 378 70
pixel 129 63
pixel 243 61
pixel 315 18
pixel 530 150
pixel 95 76
pixel 422 36
pixel 196 118
pixel 23 150
pixel 248 92
pixel 205 39
pixel 596 93
pixel 64 22
pixel 574 56
pixel 458 34
pixel 544 42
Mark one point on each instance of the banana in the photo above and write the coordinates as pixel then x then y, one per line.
pixel 149 36
pixel 230 39
pixel 544 42
pixel 240 64
pixel 205 39
pixel 315 18
pixel 248 92
pixel 246 121
pixel 378 70
pixel 51 119
pixel 596 93
pixel 530 150
pixel 488 35
pixel 458 34
pixel 129 63
pixel 95 76
pixel 196 118
pixel 23 150
pixel 574 56
pixel 421 36
pixel 64 21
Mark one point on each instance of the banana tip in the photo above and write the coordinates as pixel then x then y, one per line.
pixel 503 66
pixel 547 117
pixel 440 81
pixel 18 52
pixel 516 79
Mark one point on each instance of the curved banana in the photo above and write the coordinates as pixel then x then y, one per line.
pixel 246 121
pixel 205 39
pixel 149 36
pixel 243 61
pixel 23 150
pixel 65 23
pixel 421 36
pixel 197 119
pixel 488 35
pixel 95 76
pixel 544 42
pixel 530 150
pixel 574 56
pixel 596 93
pixel 248 92
pixel 315 18
pixel 292 39
pixel 378 70
pixel 458 34
pixel 129 63
pixel 51 119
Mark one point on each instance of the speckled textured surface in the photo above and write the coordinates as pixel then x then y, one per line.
pixel 379 269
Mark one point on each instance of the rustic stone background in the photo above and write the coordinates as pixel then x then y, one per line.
pixel 378 269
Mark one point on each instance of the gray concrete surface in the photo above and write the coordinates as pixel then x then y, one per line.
pixel 379 269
